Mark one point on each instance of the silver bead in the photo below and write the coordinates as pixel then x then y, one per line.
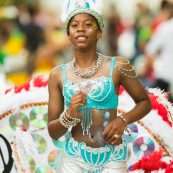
pixel 89 73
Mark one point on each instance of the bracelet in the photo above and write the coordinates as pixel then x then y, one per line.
pixel 126 128
pixel 71 118
pixel 63 119
pixel 123 119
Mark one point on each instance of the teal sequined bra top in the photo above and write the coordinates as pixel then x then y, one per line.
pixel 100 92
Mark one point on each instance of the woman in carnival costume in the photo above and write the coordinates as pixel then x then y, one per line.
pixel 83 97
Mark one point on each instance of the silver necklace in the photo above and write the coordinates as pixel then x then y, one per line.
pixel 89 73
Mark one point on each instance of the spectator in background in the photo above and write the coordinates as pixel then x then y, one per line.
pixel 44 39
pixel 55 43
pixel 27 24
pixel 114 28
pixel 142 26
pixel 161 16
pixel 143 31
pixel 159 52
pixel 32 31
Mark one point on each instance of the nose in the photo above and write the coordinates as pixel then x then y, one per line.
pixel 81 28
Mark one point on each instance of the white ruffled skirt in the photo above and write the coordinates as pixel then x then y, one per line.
pixel 77 165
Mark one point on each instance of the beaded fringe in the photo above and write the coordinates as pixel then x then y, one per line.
pixel 86 121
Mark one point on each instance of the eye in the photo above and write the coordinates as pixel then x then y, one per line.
pixel 73 25
pixel 88 24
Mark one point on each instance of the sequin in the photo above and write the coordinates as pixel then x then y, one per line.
pixel 106 114
pixel 101 94
pixel 105 123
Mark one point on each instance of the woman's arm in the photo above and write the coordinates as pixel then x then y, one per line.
pixel 137 92
pixel 58 120
pixel 127 78
pixel 55 104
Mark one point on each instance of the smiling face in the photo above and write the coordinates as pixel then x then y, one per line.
pixel 83 31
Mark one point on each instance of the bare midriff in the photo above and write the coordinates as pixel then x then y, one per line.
pixel 97 128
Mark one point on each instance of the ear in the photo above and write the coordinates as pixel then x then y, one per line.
pixel 99 35
pixel 68 42
pixel 69 39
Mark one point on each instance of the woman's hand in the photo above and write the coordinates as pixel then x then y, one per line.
pixel 77 100
pixel 113 131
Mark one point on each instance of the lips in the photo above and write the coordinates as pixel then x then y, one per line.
pixel 81 38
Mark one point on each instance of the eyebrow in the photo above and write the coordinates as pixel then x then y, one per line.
pixel 74 20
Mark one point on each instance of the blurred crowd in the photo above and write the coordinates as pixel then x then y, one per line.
pixel 33 41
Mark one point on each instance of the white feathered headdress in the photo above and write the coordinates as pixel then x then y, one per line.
pixel 73 7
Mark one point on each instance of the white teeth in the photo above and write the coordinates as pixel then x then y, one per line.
pixel 81 38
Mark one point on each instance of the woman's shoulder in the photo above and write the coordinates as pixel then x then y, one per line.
pixel 121 60
pixel 57 70
pixel 125 67
pixel 117 59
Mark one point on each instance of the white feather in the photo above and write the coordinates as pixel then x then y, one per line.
pixel 162 99
pixel 99 6
pixel 74 4
pixel 137 171
pixel 15 100
pixel 80 3
pixel 64 10
pixel 160 128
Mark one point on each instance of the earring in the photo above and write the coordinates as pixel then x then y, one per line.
pixel 98 38
pixel 68 44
